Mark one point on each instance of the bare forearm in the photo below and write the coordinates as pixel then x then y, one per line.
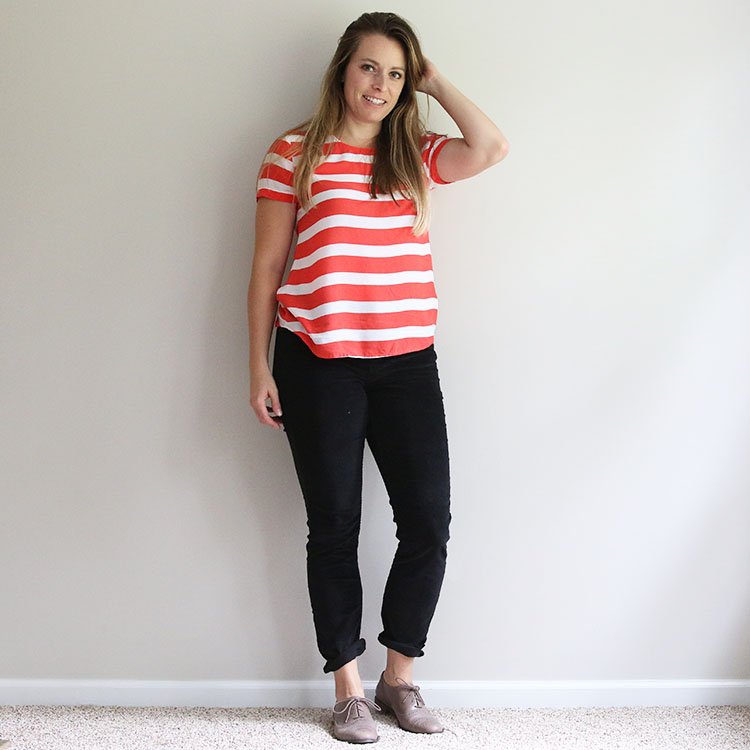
pixel 478 130
pixel 261 312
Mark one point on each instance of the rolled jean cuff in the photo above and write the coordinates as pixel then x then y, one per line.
pixel 403 648
pixel 356 649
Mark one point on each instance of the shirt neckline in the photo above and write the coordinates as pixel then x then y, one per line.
pixel 364 149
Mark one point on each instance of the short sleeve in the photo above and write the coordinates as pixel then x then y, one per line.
pixel 432 145
pixel 276 173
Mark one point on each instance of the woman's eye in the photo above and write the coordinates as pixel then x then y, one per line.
pixel 367 65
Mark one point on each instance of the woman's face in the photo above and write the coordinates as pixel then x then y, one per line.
pixel 377 70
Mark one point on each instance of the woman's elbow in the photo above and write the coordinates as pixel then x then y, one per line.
pixel 500 152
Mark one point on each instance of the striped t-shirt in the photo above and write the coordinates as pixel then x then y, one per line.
pixel 360 284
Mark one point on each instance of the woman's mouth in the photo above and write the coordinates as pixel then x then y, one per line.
pixel 373 100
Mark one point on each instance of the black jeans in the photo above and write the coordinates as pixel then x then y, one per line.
pixel 329 408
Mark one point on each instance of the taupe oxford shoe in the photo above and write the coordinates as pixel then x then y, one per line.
pixel 352 720
pixel 406 703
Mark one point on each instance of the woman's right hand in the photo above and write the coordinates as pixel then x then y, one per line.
pixel 263 387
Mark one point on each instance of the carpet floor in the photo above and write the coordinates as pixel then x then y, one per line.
pixel 151 728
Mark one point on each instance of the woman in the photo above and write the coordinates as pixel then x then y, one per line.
pixel 354 356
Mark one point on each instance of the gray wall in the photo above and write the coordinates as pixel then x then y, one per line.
pixel 592 342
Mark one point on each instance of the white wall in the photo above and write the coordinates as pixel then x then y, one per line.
pixel 592 342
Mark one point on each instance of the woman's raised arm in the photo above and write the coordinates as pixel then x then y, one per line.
pixel 482 144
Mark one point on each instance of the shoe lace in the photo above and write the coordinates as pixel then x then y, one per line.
pixel 411 692
pixel 353 705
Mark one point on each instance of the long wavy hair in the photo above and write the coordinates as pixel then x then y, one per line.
pixel 397 162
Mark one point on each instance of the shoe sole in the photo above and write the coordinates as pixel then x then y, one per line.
pixel 355 742
pixel 386 709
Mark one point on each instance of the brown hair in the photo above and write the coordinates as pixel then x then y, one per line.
pixel 397 163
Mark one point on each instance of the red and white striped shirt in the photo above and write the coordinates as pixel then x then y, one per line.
pixel 361 284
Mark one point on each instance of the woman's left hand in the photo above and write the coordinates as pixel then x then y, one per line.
pixel 429 78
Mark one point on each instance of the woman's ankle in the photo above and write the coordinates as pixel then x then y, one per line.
pixel 340 696
pixel 348 682
pixel 398 666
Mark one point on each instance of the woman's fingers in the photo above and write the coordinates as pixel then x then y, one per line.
pixel 274 414
pixel 261 392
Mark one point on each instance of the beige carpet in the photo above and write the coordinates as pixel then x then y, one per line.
pixel 107 728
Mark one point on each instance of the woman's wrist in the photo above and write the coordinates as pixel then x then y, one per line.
pixel 435 86
pixel 259 367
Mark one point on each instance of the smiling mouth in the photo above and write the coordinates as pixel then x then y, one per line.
pixel 374 100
